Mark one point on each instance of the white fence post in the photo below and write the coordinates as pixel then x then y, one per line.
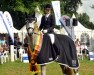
pixel 12 52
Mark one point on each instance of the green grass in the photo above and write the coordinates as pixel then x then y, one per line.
pixel 86 67
pixel 19 68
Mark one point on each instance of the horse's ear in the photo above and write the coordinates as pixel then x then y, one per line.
pixel 36 29
pixel 26 21
pixel 35 19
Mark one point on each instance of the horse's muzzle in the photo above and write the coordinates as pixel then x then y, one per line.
pixel 30 31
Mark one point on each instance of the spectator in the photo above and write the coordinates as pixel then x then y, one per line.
pixel 77 44
pixel 84 49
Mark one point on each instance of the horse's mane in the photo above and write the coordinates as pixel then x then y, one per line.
pixel 36 29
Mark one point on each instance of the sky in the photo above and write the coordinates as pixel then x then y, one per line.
pixel 86 8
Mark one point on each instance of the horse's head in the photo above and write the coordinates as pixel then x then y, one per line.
pixel 31 26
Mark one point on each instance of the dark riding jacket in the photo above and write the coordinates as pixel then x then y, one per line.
pixel 47 22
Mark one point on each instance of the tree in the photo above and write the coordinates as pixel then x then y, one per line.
pixel 85 20
pixel 20 9
pixel 70 6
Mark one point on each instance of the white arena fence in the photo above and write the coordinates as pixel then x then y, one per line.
pixel 5 55
pixel 91 55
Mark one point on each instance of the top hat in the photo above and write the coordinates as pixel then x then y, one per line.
pixel 48 6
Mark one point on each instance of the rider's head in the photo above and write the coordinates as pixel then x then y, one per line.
pixel 47 9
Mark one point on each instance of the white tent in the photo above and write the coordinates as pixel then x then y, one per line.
pixel 16 30
pixel 23 32
pixel 4 30
pixel 79 29
pixel 23 29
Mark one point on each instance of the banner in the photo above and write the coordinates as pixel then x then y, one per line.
pixel 8 24
pixel 57 11
pixel 38 15
pixel 69 29
pixel 2 26
pixel 91 55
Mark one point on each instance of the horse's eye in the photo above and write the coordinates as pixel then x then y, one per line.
pixel 34 22
pixel 30 28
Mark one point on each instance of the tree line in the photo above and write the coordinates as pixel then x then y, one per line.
pixel 21 9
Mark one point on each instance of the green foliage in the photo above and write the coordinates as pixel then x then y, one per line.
pixel 57 27
pixel 85 20
pixel 69 6
pixel 20 9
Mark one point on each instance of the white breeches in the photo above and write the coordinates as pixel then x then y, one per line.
pixel 52 37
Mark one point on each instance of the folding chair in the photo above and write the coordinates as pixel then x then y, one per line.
pixel 2 58
pixel 6 56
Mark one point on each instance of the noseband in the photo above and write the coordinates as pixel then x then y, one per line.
pixel 32 28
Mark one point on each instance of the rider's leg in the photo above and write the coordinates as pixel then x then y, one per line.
pixel 66 70
pixel 55 43
pixel 43 69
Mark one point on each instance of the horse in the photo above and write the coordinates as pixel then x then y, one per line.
pixel 48 47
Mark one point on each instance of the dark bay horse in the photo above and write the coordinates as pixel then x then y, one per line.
pixel 48 47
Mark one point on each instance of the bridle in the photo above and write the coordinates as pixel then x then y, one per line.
pixel 30 28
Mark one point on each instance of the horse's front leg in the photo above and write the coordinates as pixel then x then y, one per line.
pixel 76 72
pixel 43 69
pixel 66 70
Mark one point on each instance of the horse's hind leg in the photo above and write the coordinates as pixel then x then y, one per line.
pixel 43 69
pixel 66 70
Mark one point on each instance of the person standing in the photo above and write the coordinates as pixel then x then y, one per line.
pixel 78 48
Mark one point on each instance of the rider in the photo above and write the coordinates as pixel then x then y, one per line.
pixel 46 26
pixel 47 20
